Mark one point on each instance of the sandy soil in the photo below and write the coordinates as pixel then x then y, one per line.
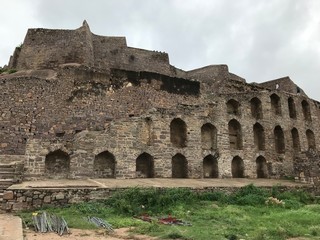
pixel 78 234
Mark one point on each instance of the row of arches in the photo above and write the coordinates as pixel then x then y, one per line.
pixel 233 107
pixel 57 164
pixel 178 131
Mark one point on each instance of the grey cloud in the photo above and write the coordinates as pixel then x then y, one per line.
pixel 259 40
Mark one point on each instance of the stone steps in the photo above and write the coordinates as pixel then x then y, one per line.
pixel 9 175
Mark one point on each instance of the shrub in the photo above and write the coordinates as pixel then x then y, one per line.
pixel 248 195
pixel 136 200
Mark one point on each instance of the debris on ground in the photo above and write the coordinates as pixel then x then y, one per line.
pixel 163 220
pixel 48 222
pixel 100 223
pixel 172 220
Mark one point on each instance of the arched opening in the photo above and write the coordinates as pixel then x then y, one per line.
pixel 178 133
pixel 256 108
pixel 237 167
pixel 208 136
pixel 262 168
pixel 233 107
pixel 210 167
pixel 179 166
pixel 144 166
pixel 306 110
pixel 104 165
pixel 259 137
pixel 295 140
pixel 279 140
pixel 235 134
pixel 57 164
pixel 275 104
pixel 292 108
pixel 311 139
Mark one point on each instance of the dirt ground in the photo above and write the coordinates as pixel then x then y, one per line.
pixel 78 234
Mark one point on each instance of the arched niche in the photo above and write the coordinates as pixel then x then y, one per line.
pixel 179 166
pixel 178 133
pixel 237 167
pixel 145 166
pixel 235 134
pixel 210 167
pixel 256 108
pixel 57 164
pixel 208 136
pixel 279 142
pixel 262 168
pixel 104 165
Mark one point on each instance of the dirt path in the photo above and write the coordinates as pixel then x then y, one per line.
pixel 78 234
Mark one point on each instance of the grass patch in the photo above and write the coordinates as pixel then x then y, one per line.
pixel 214 215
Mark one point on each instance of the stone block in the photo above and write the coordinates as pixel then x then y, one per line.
pixel 60 196
pixel 47 199
pixel 8 195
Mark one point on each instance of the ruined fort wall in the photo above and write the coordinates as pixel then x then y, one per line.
pixel 126 140
pixel 44 48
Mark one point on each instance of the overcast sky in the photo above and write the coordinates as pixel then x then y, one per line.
pixel 259 40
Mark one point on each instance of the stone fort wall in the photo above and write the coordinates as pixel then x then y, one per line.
pixel 102 109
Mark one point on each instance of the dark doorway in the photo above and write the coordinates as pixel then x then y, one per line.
pixel 295 140
pixel 259 138
pixel 279 140
pixel 262 168
pixel 178 133
pixel 256 108
pixel 235 134
pixel 210 167
pixel 275 104
pixel 104 165
pixel 237 167
pixel 57 164
pixel 233 107
pixel 306 110
pixel 144 166
pixel 292 108
pixel 179 166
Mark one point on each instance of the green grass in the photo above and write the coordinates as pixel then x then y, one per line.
pixel 241 215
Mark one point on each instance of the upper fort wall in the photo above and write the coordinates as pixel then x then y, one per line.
pixel 47 49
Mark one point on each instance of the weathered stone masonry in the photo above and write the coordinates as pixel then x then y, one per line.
pixel 82 105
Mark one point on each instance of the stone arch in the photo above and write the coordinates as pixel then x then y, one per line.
pixel 262 168
pixel 208 136
pixel 57 164
pixel 237 167
pixel 235 134
pixel 275 104
pixel 233 107
pixel 178 133
pixel 292 108
pixel 311 139
pixel 256 108
pixel 279 142
pixel 104 165
pixel 295 140
pixel 210 167
pixel 179 166
pixel 145 166
pixel 306 110
pixel 259 137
